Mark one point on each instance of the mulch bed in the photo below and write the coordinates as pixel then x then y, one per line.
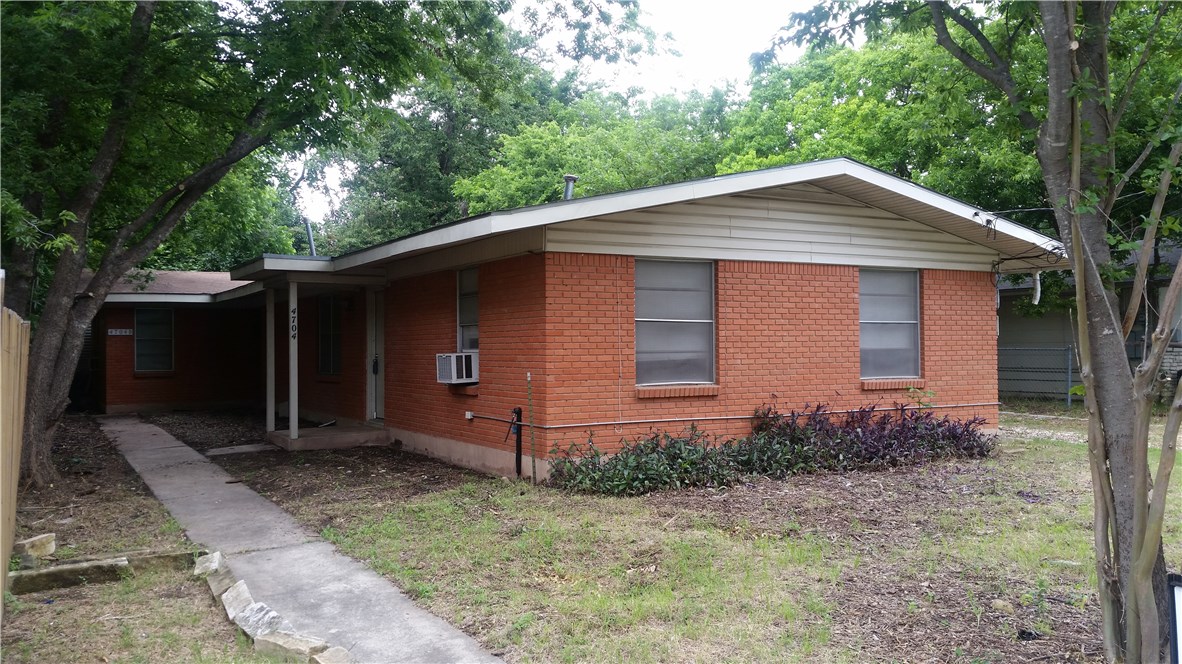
pixel 99 504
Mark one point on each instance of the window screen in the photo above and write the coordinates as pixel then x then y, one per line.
pixel 674 322
pixel 889 317
pixel 153 340
pixel 468 309
pixel 329 334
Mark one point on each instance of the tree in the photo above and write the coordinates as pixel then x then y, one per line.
pixel 402 169
pixel 240 218
pixel 610 143
pixel 895 104
pixel 120 118
pixel 1071 75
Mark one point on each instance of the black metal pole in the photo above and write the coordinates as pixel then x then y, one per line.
pixel 517 429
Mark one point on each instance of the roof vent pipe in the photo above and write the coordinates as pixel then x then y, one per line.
pixel 569 191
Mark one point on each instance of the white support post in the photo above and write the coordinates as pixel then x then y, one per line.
pixel 293 355
pixel 270 344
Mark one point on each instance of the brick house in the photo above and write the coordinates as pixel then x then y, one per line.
pixel 693 303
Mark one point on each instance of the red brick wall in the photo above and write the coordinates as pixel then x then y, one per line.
pixel 786 334
pixel 421 322
pixel 960 338
pixel 217 359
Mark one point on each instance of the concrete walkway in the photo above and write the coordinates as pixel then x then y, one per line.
pixel 321 592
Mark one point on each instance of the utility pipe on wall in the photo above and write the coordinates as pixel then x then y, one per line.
pixel 713 419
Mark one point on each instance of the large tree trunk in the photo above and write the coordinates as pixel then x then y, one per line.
pixel 1078 61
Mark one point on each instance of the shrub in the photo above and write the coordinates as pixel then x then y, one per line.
pixel 780 445
pixel 659 461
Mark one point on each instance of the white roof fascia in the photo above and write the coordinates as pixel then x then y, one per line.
pixel 281 264
pixel 439 237
pixel 584 208
pixel 160 298
pixel 241 291
pixel 951 205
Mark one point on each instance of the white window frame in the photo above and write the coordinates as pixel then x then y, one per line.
pixel 916 323
pixel 713 321
pixel 171 339
pixel 460 296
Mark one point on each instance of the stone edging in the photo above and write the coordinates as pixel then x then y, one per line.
pixel 272 635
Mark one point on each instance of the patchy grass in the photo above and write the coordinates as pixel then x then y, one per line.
pixel 960 561
pixel 153 617
pixel 100 506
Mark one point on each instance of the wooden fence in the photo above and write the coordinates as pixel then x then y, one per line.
pixel 14 365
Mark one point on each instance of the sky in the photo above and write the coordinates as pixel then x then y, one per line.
pixel 715 38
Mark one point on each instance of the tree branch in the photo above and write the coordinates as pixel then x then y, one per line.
pixel 1119 185
pixel 1127 92
pixel 122 101
pixel 997 75
pixel 1147 245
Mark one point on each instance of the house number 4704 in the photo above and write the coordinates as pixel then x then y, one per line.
pixel 294 325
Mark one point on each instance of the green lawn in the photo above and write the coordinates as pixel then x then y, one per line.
pixel 950 562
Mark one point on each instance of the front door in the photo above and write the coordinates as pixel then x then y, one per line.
pixel 376 375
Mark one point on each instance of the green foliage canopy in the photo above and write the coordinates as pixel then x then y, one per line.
pixel 612 144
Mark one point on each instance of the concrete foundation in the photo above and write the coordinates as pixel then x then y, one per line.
pixel 476 457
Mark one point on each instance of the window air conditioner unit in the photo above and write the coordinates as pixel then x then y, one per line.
pixel 457 368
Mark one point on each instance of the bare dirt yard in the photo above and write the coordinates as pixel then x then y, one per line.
pixel 981 561
pixel 98 507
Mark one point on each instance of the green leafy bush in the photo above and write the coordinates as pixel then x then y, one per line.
pixel 659 461
pixel 780 445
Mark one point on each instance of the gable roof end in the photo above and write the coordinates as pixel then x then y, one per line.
pixel 1020 249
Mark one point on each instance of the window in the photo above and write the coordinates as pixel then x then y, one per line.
pixel 153 340
pixel 674 322
pixel 328 332
pixel 468 309
pixel 889 323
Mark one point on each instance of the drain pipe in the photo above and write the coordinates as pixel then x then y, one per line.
pixel 568 192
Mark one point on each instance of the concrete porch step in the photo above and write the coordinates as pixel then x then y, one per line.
pixel 329 438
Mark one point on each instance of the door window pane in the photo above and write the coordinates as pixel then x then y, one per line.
pixel 329 335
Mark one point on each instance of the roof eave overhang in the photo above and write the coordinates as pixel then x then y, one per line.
pixel 271 265
pixel 1036 251
pixel 160 298
pixel 1019 249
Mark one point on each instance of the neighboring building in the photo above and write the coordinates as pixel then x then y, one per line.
pixel 611 316
pixel 1037 355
